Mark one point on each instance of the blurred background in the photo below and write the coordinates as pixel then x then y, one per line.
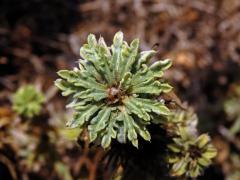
pixel 40 37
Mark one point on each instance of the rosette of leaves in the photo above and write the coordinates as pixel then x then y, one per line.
pixel 114 91
pixel 27 101
pixel 189 154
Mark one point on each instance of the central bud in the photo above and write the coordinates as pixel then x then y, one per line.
pixel 114 95
pixel 195 152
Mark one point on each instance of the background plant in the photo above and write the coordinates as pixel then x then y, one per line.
pixel 27 101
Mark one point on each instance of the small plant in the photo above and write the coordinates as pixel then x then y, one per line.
pixel 118 95
pixel 114 91
pixel 27 101
pixel 190 154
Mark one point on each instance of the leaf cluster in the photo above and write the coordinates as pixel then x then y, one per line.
pixel 27 101
pixel 114 91
pixel 190 154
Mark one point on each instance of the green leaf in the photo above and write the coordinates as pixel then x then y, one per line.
pixel 174 148
pixel 202 140
pixel 129 58
pixel 151 106
pixel 210 153
pixel 173 159
pixel 90 70
pixel 89 83
pixel 126 81
pixel 104 48
pixel 179 168
pixel 144 57
pixel 70 76
pixel 110 131
pixel 82 116
pixel 145 134
pixel 92 94
pixel 122 128
pixel 118 39
pixel 195 172
pixel 93 54
pixel 66 87
pixel 204 161
pixel 147 81
pixel 166 88
pixel 161 65
pixel 116 54
pixel 136 108
pixel 71 133
pixel 106 140
pixel 92 41
pixel 131 132
pixel 100 121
